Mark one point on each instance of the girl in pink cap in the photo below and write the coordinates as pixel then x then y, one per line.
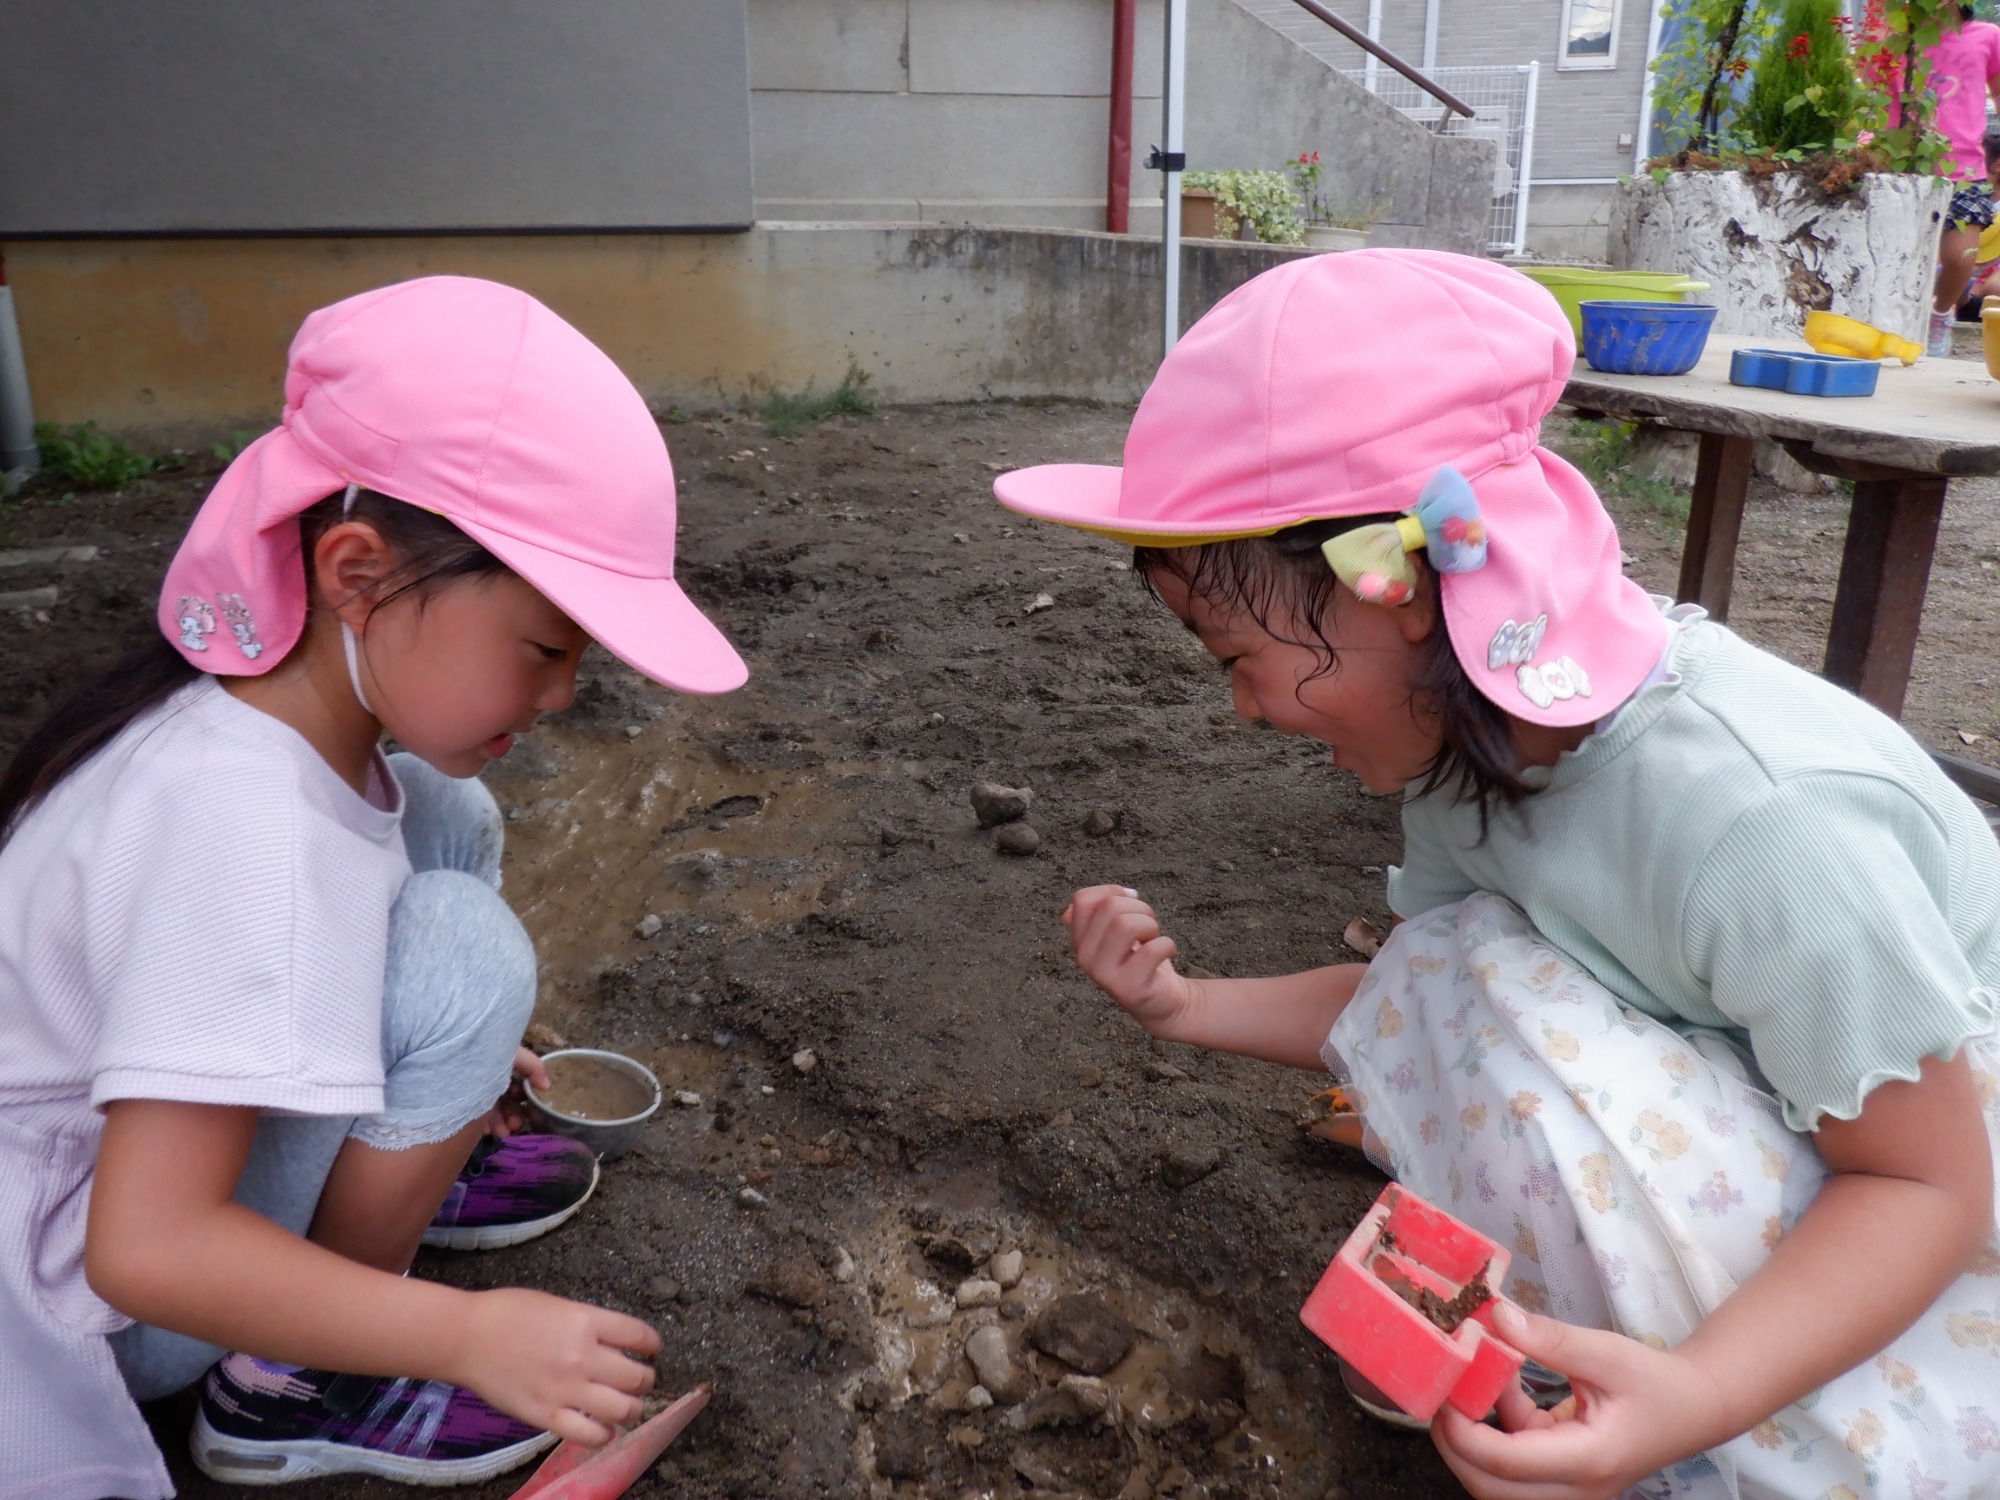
pixel 258 990
pixel 1692 999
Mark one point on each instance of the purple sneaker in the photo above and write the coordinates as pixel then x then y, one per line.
pixel 266 1423
pixel 513 1190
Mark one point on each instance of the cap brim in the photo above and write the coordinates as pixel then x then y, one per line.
pixel 1087 496
pixel 647 623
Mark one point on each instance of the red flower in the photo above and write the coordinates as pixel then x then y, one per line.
pixel 1840 23
pixel 1800 49
pixel 1738 66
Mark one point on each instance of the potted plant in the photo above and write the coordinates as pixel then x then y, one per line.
pixel 1329 226
pixel 1802 176
pixel 1259 199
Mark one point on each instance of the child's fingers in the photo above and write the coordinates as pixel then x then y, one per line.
pixel 620 1332
pixel 615 1370
pixel 1107 943
pixel 575 1427
pixel 528 1065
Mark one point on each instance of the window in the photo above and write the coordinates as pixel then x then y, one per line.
pixel 1589 34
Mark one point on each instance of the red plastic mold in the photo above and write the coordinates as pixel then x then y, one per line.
pixel 1357 1311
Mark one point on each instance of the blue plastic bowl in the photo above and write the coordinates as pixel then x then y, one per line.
pixel 1645 338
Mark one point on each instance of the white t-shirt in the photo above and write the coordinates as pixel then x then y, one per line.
pixel 198 913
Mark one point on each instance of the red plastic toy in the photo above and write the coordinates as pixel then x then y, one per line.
pixel 573 1472
pixel 1366 1307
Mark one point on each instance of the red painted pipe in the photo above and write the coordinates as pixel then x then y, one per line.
pixel 1118 170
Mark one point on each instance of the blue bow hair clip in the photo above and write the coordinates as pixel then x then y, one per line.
pixel 1446 526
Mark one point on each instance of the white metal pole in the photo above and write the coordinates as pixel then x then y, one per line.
pixel 1174 106
pixel 18 454
pixel 1372 69
pixel 1527 168
pixel 1642 138
pixel 1431 35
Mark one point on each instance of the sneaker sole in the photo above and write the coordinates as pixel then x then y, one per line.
pixel 499 1236
pixel 244 1461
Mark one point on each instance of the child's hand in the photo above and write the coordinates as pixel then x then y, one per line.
pixel 507 1117
pixel 559 1365
pixel 1635 1409
pixel 1117 940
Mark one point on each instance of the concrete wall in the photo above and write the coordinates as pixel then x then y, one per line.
pixel 289 115
pixel 1570 223
pixel 173 341
pixel 971 111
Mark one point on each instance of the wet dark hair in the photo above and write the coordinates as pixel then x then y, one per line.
pixel 1282 581
pixel 431 553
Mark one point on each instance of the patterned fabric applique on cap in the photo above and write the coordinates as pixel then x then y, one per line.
pixel 196 621
pixel 1515 645
pixel 1374 560
pixel 237 612
pixel 1553 681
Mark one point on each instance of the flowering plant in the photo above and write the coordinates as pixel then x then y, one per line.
pixel 1260 197
pixel 1305 173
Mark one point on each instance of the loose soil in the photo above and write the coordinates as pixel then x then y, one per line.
pixel 801 1237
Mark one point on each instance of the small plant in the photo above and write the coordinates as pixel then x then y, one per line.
pixel 86 455
pixel 1258 196
pixel 1803 93
pixel 787 412
pixel 1606 453
pixel 1305 170
pixel 230 447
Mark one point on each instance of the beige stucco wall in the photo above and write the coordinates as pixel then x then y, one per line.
pixel 173 339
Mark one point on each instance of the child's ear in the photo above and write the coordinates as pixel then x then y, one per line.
pixel 349 561
pixel 1417 619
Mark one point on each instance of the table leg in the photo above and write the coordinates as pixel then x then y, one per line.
pixel 1708 559
pixel 1879 602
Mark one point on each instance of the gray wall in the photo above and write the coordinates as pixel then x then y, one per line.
pixel 997 112
pixel 205 116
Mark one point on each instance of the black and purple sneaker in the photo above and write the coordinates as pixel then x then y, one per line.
pixel 267 1423
pixel 513 1190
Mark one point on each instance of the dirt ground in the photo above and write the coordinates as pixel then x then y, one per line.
pixel 821 885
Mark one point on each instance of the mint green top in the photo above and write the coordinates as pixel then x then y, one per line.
pixel 1748 847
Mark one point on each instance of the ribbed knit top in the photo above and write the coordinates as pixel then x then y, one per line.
pixel 1750 848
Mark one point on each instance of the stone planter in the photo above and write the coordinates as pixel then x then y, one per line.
pixel 1773 249
pixel 1326 237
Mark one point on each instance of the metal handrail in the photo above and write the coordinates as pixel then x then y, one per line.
pixel 1368 44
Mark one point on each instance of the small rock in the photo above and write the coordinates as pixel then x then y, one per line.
pixel 891 837
pixel 796 1283
pixel 965 1437
pixel 961 537
pixel 1057 1408
pixel 978 1398
pixel 766 1090
pixel 842 1269
pixel 1224 867
pixel 722 1039
pixel 976 1292
pixel 633 731
pixel 750 1198
pixel 1005 1267
pixel 1017 839
pixel 1091 1393
pixel 1083 1333
pixel 543 1038
pixel 666 1288
pixel 1039 603
pixel 687 1098
pixel 988 1352
pixel 1090 1078
pixel 1363 936
pixel 806 1060
pixel 1013 1309
pixel 1043 1476
pixel 649 926
pixel 994 804
pixel 1165 1072
pixel 935 1315
pixel 1098 823
pixel 959 1253
pixel 1184 1166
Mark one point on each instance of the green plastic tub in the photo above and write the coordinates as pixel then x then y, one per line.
pixel 1573 286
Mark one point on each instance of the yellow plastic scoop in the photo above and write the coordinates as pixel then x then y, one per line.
pixel 1830 333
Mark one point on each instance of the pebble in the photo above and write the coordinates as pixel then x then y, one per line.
pixel 722 1039
pixel 767 1091
pixel 978 1398
pixel 1090 1078
pixel 1184 1166
pixel 649 926
pixel 806 1060
pixel 1083 1333
pixel 750 1198
pixel 1098 823
pixel 543 1038
pixel 842 1269
pixel 1091 1393
pixel 1013 1309
pixel 987 1349
pixel 994 804
pixel 977 1292
pixel 633 731
pixel 666 1288
pixel 1165 1072
pixel 796 1283
pixel 1018 839
pixel 687 1098
pixel 1039 603
pixel 1005 1267
pixel 961 537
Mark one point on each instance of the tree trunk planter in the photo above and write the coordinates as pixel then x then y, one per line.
pixel 1773 249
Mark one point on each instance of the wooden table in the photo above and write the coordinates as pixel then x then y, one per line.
pixel 1924 426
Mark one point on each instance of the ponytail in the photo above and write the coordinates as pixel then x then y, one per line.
pixel 431 552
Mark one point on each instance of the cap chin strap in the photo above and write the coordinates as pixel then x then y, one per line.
pixel 347 635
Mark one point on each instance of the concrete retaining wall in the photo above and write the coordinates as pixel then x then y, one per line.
pixel 176 340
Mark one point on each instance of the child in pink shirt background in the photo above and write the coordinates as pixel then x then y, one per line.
pixel 1965 72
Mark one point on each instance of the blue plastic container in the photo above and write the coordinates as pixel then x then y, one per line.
pixel 1645 338
pixel 1804 374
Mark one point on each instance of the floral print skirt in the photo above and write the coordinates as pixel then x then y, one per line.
pixel 1640 1174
